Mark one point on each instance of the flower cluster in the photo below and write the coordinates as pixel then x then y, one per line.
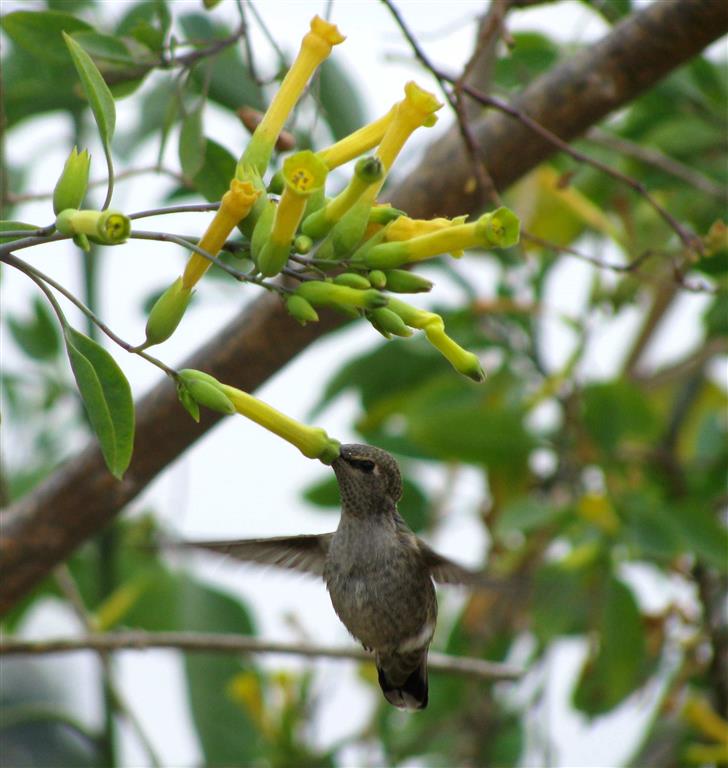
pixel 354 243
pixel 344 252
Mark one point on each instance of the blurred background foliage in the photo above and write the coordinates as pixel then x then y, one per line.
pixel 584 476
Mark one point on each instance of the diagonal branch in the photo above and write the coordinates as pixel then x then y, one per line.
pixel 464 666
pixel 43 528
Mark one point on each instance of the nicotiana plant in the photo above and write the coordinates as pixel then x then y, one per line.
pixel 345 252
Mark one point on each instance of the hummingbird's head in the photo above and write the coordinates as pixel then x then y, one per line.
pixel 368 478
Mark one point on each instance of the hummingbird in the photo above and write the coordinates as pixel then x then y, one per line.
pixel 378 573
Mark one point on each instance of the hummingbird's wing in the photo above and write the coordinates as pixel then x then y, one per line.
pixel 446 571
pixel 306 554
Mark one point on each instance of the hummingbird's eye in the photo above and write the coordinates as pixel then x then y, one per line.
pixel 363 464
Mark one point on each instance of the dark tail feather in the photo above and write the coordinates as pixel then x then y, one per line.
pixel 408 693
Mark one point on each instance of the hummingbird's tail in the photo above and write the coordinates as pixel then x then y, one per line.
pixel 403 679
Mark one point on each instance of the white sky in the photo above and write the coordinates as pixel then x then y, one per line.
pixel 241 481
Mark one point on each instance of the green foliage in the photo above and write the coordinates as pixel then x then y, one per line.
pixel 629 468
pixel 106 396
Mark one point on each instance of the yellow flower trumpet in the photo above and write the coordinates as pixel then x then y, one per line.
pixel 315 48
pixel 303 174
pixel 235 205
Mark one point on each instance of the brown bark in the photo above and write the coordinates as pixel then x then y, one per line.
pixel 43 528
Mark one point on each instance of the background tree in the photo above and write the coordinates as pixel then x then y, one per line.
pixel 588 477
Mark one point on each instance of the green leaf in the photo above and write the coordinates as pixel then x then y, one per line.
pixel 227 734
pixel 562 602
pixel 192 142
pixel 340 100
pixel 97 93
pixel 39 32
pixel 615 410
pixel 703 533
pixel 10 226
pixel 617 666
pixel 107 397
pixel 230 83
pixel 531 54
pixel 38 337
pixel 218 168
pixel 525 514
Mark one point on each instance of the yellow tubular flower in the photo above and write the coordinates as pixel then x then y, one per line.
pixel 304 174
pixel 499 229
pixel 416 109
pixel 315 48
pixel 313 442
pixel 357 143
pixel 235 205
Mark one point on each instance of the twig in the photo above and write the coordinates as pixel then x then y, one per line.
pixel 70 590
pixel 226 643
pixel 483 179
pixel 191 208
pixel 128 174
pixel 659 160
pixel 242 277
pixel 689 240
pixel 40 278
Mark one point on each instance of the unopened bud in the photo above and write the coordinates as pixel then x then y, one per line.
pixel 206 390
pixel 72 185
pixel 301 310
pixel 167 313
pixel 321 293
pixel 353 280
pixel 402 281
pixel 388 323
pixel 377 278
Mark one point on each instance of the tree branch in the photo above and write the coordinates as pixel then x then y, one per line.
pixel 43 528
pixel 241 644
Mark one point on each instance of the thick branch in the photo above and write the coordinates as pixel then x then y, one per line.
pixel 568 100
pixel 241 644
pixel 81 498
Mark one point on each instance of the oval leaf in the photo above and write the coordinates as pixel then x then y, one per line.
pixel 192 143
pixel 107 397
pixel 98 95
pixel 39 32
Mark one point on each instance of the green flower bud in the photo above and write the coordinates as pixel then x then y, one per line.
pixel 273 257
pixel 402 281
pixel 276 184
pixel 261 233
pixel 302 244
pixel 167 313
pixel 107 227
pixel 383 214
pixel 377 278
pixel 72 185
pixel 321 293
pixel 388 323
pixel 349 231
pixel 369 169
pixel 301 310
pixel 206 390
pixel 188 402
pixel 353 280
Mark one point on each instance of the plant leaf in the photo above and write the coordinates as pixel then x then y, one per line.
pixel 38 336
pixel 107 397
pixel 192 142
pixel 39 32
pixel 99 97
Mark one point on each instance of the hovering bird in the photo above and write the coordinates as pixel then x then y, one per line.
pixel 379 574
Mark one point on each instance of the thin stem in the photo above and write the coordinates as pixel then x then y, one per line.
pixel 40 277
pixel 29 242
pixel 242 644
pixel 242 277
pixel 191 208
pixel 70 590
pixel 122 176
pixel 110 173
